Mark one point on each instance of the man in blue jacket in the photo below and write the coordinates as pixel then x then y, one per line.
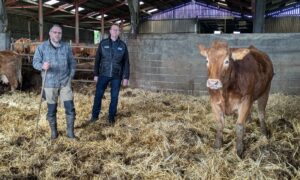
pixel 55 59
pixel 111 66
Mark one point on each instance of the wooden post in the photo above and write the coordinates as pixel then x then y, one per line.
pixel 41 21
pixel 3 17
pixel 76 23
pixel 29 29
pixel 102 25
pixel 134 9
pixel 258 11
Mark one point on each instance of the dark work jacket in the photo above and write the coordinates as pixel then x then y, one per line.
pixel 112 59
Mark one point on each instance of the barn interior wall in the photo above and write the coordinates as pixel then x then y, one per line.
pixel 283 25
pixel 18 27
pixel 171 62
pixel 169 26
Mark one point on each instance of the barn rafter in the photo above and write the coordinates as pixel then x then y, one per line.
pixel 117 10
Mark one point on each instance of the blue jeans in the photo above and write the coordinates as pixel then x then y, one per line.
pixel 114 94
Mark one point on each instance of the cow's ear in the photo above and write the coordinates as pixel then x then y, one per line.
pixel 203 50
pixel 239 54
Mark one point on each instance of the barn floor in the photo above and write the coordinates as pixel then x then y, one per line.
pixel 157 136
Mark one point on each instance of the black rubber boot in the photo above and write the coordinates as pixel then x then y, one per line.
pixel 70 117
pixel 51 117
pixel 92 119
pixel 111 121
pixel 70 127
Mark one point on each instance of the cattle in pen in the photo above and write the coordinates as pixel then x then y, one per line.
pixel 236 78
pixel 10 68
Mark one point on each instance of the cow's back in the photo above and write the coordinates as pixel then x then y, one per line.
pixel 255 73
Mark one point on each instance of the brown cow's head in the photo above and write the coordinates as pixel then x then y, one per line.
pixel 219 61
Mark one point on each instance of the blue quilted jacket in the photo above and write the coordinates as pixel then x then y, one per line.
pixel 62 63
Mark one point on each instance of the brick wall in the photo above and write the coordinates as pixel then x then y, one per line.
pixel 171 62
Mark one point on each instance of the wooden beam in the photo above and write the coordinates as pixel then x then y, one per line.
pixel 10 2
pixel 22 7
pixel 60 8
pixel 80 2
pixel 104 10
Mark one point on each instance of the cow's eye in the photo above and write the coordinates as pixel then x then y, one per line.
pixel 206 60
pixel 226 61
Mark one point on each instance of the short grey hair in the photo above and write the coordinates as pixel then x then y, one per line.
pixel 55 25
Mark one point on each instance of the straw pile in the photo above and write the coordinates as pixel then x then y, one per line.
pixel 157 136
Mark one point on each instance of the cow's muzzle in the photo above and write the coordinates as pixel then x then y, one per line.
pixel 214 84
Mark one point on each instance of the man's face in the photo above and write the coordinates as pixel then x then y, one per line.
pixel 55 34
pixel 114 31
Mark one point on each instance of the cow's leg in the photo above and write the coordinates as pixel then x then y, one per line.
pixel 243 113
pixel 220 125
pixel 262 103
pixel 13 81
pixel 249 118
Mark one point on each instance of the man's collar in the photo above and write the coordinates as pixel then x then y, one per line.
pixel 52 44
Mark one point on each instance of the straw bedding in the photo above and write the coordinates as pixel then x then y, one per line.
pixel 156 136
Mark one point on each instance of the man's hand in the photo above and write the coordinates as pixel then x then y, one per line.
pixel 125 82
pixel 96 78
pixel 46 65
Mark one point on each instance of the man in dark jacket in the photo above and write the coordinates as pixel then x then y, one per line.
pixel 55 57
pixel 111 66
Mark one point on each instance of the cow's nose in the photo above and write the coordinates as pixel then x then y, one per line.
pixel 214 83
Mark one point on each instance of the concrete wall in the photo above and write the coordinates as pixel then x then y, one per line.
pixel 171 62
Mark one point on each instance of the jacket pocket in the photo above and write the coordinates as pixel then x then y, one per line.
pixel 105 67
pixel 116 70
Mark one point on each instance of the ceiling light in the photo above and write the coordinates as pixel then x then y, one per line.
pixel 79 9
pixel 287 4
pixel 152 10
pixel 141 3
pixel 51 2
pixel 222 4
pixel 100 16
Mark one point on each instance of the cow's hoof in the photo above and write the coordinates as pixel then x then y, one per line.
pixel 266 133
pixel 240 150
pixel 218 143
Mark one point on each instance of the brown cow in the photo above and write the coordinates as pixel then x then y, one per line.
pixel 22 45
pixel 90 51
pixel 236 78
pixel 10 68
pixel 78 50
pixel 33 46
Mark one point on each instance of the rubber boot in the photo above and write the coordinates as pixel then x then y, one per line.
pixel 92 119
pixel 51 117
pixel 111 121
pixel 70 117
